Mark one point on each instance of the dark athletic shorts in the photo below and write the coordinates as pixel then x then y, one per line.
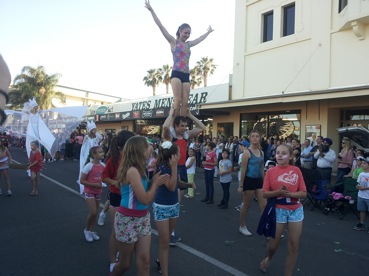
pixel 114 199
pixel 183 77
pixel 182 171
pixel 252 183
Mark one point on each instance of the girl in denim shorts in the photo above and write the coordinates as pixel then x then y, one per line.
pixel 132 219
pixel 285 183
pixel 166 206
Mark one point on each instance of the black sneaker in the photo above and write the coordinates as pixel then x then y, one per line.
pixel 158 265
pixel 360 227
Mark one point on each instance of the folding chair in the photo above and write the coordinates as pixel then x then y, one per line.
pixel 347 202
pixel 310 179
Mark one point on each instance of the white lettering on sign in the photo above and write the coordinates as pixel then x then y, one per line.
pixel 194 99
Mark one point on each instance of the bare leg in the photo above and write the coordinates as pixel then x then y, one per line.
pixel 273 245
pixel 177 92
pixel 247 199
pixel 165 228
pixel 7 178
pixel 125 256
pixel 294 235
pixel 261 200
pixel 33 182
pixel 92 205
pixel 113 243
pixel 185 96
pixel 143 255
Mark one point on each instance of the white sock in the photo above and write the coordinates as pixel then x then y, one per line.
pixel 173 233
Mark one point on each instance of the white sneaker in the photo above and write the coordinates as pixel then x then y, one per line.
pixel 243 230
pixel 101 220
pixel 9 193
pixel 94 236
pixel 88 236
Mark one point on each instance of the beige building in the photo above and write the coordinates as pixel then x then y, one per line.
pixel 301 67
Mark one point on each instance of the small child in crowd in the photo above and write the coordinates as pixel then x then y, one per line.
pixel 225 173
pixel 5 160
pixel 211 161
pixel 191 170
pixel 358 169
pixel 35 166
pixel 92 181
pixel 363 194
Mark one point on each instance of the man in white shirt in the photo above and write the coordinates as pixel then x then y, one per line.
pixel 325 158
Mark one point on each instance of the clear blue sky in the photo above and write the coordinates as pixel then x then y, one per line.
pixel 107 46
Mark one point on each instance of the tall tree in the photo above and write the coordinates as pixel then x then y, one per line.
pixel 35 82
pixel 153 78
pixel 166 71
pixel 195 77
pixel 206 67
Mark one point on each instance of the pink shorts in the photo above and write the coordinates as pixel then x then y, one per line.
pixel 130 229
pixel 92 195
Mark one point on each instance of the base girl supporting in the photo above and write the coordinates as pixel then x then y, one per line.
pixel 132 219
pixel 92 181
pixel 285 182
pixel 166 206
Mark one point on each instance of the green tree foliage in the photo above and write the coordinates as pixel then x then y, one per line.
pixel 166 72
pixel 35 82
pixel 195 77
pixel 153 78
pixel 206 67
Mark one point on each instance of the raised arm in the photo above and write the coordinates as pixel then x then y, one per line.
pixel 199 126
pixel 164 31
pixel 201 38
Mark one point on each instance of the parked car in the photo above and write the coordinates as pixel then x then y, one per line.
pixel 358 135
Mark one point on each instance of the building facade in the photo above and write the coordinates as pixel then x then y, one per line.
pixel 146 116
pixel 300 68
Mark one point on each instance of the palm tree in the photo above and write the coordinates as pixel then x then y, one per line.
pixel 166 71
pixel 153 78
pixel 35 82
pixel 196 78
pixel 206 68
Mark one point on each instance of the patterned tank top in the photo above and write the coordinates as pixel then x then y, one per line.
pixel 181 57
pixel 254 165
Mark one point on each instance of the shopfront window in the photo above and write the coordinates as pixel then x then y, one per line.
pixel 359 117
pixel 275 124
pixel 225 129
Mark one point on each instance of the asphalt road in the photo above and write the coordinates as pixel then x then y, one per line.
pixel 43 235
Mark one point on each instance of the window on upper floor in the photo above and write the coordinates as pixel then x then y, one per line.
pixel 341 5
pixel 289 19
pixel 267 26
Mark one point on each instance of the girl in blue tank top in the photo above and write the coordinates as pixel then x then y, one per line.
pixel 132 219
pixel 252 176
